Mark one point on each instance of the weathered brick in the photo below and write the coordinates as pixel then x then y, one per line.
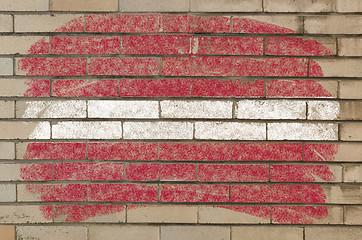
pixel 84 5
pixel 6 23
pixel 88 171
pixel 323 110
pixel 267 233
pixel 333 68
pixel 352 215
pixel 336 24
pixel 161 214
pixel 268 24
pixel 85 45
pixel 299 6
pixel 123 109
pixel 6 66
pixel 22 214
pixel 48 23
pixel 343 152
pixel 25 130
pixel 154 6
pixel 350 89
pixel 336 194
pixel 127 232
pixel 24 45
pixel 84 130
pixel 332 233
pixel 157 130
pixel 7 232
pixel 230 131
pixel 351 131
pixel 84 88
pixel 352 173
pixel 7 192
pixel 196 109
pixel 350 110
pixel 7 150
pixel 24 88
pixel 226 6
pixel 349 6
pixel 302 131
pixel 195 232
pixel 7 109
pixel 52 232
pixel 350 46
pixel 51 109
pixel 18 5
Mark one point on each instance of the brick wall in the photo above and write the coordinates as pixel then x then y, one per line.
pixel 180 119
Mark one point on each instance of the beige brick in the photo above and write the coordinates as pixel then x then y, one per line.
pixel 334 24
pixel 226 6
pixel 299 6
pixel 335 216
pixel 25 130
pixel 352 215
pixel 126 232
pixel 349 152
pixel 22 214
pixel 341 67
pixel 10 172
pixel 14 87
pixel 21 149
pixel 323 110
pixel 20 5
pixel 7 109
pixel 194 232
pixel 52 232
pixel 350 89
pixel 353 173
pixel 7 192
pixel 161 214
pixel 349 6
pixel 266 233
pixel 331 86
pixel 18 44
pixel 343 194
pixel 116 217
pixel 84 5
pixel 41 23
pixel 350 111
pixel 351 131
pixel 7 150
pixel 350 47
pixel 154 5
pixel 219 215
pixel 6 23
pixel 333 233
pixel 7 232
pixel 6 66
pixel 23 195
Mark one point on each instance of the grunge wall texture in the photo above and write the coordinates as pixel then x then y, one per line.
pixel 180 119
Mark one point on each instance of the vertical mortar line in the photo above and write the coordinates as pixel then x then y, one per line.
pixel 13 21
pixel 16 232
pixel 86 109
pixel 15 104
pixel 126 214
pixel 193 130
pixel 122 127
pixel 262 6
pixel 86 150
pixel 192 87
pixel 266 131
pixel 159 109
pixel 303 151
pixel 233 109
pixel 230 230
pixel 231 24
pixel 159 232
pixel 303 233
pixel 264 44
pixel 198 214
pixel 337 47
pixel 85 22
pixel 338 89
pixel 308 64
pixel 49 5
pixel 119 87
pixel 87 226
pixel 189 6
pixel 306 110
pixel 303 25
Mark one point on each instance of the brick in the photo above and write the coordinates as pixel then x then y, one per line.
pixel 156 44
pixel 122 23
pixel 332 233
pixel 350 110
pixel 343 152
pixel 269 109
pixel 228 88
pixel 336 194
pixel 294 67
pixel 7 109
pixel 299 6
pixel 84 88
pixel 195 232
pixel 7 193
pixel 88 171
pixel 6 66
pixel 85 45
pixel 268 24
pixel 278 193
pixel 234 214
pixel 127 232
pixel 336 24
pixel 351 131
pixel 49 23
pixel 155 87
pixel 84 5
pixel 51 109
pixel 352 173
pixel 267 233
pixel 51 151
pixel 232 173
pixel 18 5
pixel 51 66
pixel 24 45
pixel 300 46
pixel 7 150
pixel 348 6
pixel 158 130
pixel 160 172
pixel 350 46
pixel 302 131
pixel 24 88
pixel 194 24
pixel 123 109
pixel 6 23
pixel 123 151
pixel 194 151
pixel 122 192
pixel 25 130
pixel 230 131
pixel 332 68
pixel 196 109
pixel 197 66
pixel 226 6
pixel 352 215
pixel 52 232
pixel 194 193
pixel 323 110
pixel 7 232
pixel 22 214
pixel 154 6
pixel 28 172
pixel 123 66
pixel 84 130
pixel 161 214
pixel 350 89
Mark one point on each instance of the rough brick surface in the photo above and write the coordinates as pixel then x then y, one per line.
pixel 127 232
pixel 350 47
pixel 313 233
pixel 340 24
pixel 53 232
pixel 84 5
pixel 154 6
pixel 226 6
pixel 349 6
pixel 299 6
pixel 267 233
